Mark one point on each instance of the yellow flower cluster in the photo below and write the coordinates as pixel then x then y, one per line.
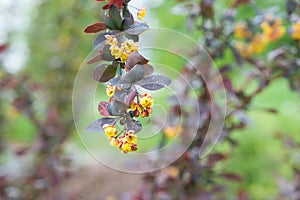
pixel 126 143
pixel 120 52
pixel 141 13
pixel 110 90
pixel 241 31
pixel 255 46
pixel 143 107
pixel 273 29
pixel 110 130
pixel 296 30
pixel 111 40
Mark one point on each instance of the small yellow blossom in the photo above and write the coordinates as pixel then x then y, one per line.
pixel 110 90
pixel 114 142
pixel 272 29
pixel 296 30
pixel 258 44
pixel 111 40
pixel 130 137
pixel 128 147
pixel 115 51
pixel 123 52
pixel 123 56
pixel 129 46
pixel 241 31
pixel 133 106
pixel 172 171
pixel 110 130
pixel 144 114
pixel 141 13
pixel 146 101
pixel 172 131
pixel 243 49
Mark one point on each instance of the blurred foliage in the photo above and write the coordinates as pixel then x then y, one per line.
pixel 259 160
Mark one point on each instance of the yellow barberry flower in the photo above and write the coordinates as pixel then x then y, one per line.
pixel 296 30
pixel 114 141
pixel 272 29
pixel 144 114
pixel 111 40
pixel 141 13
pixel 128 147
pixel 110 90
pixel 129 46
pixel 241 31
pixel 149 110
pixel 115 51
pixel 258 44
pixel 172 131
pixel 172 171
pixel 130 137
pixel 110 130
pixel 123 56
pixel 133 105
pixel 243 49
pixel 147 101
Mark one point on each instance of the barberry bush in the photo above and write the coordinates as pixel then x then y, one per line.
pixel 127 71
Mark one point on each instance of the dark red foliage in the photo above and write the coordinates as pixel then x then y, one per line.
pixel 118 3
pixel 95 28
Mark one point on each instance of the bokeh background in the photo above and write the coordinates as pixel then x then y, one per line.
pixel 42 48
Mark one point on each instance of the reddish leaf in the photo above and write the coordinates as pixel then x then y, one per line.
pixel 118 3
pixel 95 28
pixel 102 74
pixel 231 177
pixel 95 59
pixel 3 47
pixel 207 9
pixel 213 158
pixel 133 59
pixel 228 84
pixel 242 195
pixel 237 3
pixel 102 108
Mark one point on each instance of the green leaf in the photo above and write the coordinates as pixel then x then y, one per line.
pixel 114 14
pixel 96 126
pixel 136 29
pixel 110 24
pixel 102 74
pixel 154 82
pixel 127 14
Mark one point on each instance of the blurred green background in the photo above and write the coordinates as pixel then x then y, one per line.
pixel 46 44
